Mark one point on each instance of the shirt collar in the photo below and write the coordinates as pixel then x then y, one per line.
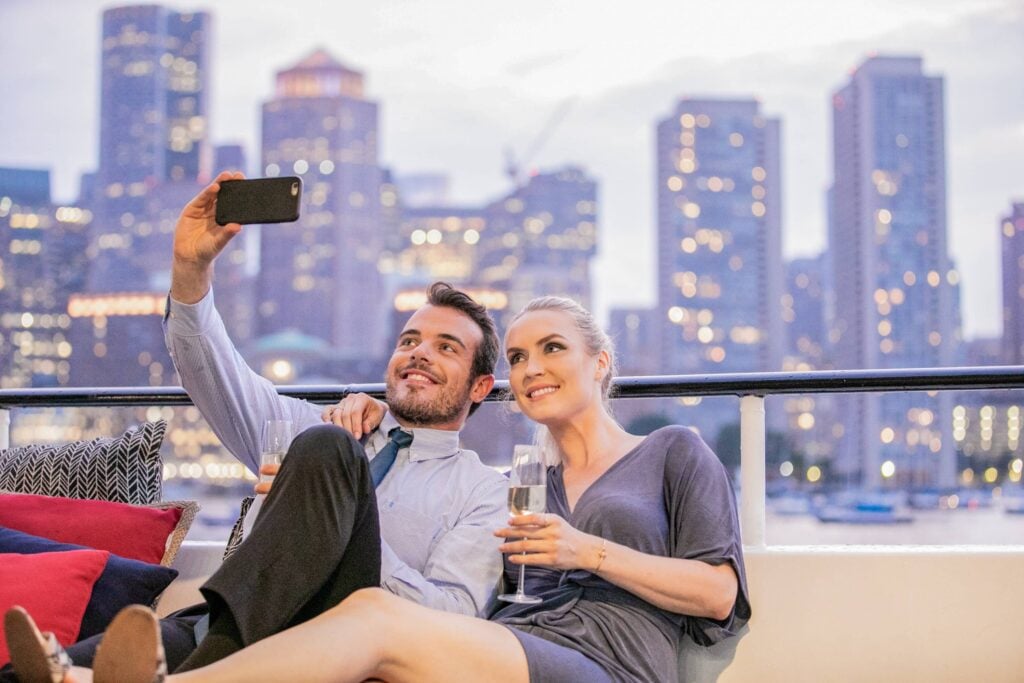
pixel 427 444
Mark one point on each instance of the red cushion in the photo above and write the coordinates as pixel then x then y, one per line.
pixel 53 587
pixel 132 531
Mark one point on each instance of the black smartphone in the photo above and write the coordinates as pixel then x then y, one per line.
pixel 260 200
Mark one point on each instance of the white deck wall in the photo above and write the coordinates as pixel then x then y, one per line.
pixel 883 613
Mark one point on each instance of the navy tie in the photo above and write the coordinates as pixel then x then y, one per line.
pixel 385 457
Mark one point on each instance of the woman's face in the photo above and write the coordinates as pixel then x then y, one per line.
pixel 551 373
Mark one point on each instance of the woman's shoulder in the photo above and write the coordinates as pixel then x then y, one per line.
pixel 676 436
pixel 682 446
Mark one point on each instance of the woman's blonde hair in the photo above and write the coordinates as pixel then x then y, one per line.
pixel 596 341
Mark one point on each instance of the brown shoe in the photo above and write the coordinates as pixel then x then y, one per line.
pixel 131 650
pixel 36 657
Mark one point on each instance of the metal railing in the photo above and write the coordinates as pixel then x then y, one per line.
pixel 751 388
pixel 655 386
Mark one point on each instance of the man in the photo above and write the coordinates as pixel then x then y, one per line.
pixel 424 533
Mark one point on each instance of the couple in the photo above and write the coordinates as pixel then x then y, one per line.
pixel 640 543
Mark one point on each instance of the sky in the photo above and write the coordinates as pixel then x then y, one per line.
pixel 459 82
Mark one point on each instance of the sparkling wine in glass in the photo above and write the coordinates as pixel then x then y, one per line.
pixel 277 436
pixel 527 495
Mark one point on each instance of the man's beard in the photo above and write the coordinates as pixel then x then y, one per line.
pixel 415 409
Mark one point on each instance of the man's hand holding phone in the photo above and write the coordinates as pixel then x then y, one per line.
pixel 198 239
pixel 216 215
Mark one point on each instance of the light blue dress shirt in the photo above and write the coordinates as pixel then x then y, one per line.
pixel 438 504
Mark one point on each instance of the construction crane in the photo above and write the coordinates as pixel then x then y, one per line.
pixel 515 168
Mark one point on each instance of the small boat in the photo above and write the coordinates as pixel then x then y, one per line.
pixel 791 505
pixel 1014 505
pixel 865 509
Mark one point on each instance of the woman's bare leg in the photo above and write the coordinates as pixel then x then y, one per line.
pixel 376 635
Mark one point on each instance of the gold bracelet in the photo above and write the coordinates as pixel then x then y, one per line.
pixel 603 553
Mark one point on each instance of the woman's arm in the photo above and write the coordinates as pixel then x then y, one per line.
pixel 691 587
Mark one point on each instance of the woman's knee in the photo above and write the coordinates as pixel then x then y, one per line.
pixel 376 601
pixel 375 608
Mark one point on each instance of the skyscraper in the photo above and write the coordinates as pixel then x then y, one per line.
pixel 896 292
pixel 538 239
pixel 719 247
pixel 804 313
pixel 1013 285
pixel 319 275
pixel 541 238
pixel 811 419
pixel 154 105
pixel 42 259
pixel 434 243
pixel 719 237
pixel 154 109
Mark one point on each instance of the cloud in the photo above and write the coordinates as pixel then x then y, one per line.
pixel 529 66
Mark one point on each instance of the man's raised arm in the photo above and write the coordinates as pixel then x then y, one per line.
pixel 234 400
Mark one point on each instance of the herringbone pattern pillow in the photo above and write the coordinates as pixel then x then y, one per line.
pixel 235 537
pixel 123 469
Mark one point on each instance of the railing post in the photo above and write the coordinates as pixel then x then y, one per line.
pixel 5 428
pixel 752 459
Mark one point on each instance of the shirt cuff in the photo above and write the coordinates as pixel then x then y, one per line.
pixel 389 562
pixel 190 319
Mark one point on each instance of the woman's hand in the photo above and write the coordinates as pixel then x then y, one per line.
pixel 550 541
pixel 682 586
pixel 358 413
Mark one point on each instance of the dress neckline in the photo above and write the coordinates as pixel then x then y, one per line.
pixel 560 470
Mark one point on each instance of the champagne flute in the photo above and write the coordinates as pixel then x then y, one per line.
pixel 527 494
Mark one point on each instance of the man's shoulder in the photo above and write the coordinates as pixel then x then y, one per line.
pixel 484 476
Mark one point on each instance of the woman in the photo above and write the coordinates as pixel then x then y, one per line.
pixel 640 544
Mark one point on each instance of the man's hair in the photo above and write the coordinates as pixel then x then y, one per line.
pixel 485 359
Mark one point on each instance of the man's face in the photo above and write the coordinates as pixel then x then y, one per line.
pixel 429 377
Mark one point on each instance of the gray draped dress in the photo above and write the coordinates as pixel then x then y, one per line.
pixel 670 496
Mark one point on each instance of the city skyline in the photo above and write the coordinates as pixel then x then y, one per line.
pixel 614 94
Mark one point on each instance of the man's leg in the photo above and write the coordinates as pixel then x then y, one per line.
pixel 316 540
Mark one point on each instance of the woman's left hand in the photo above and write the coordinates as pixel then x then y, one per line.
pixel 548 540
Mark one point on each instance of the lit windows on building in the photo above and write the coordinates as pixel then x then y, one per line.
pixel 542 238
pixel 1012 248
pixel 987 435
pixel 719 236
pixel 42 256
pixel 895 303
pixel 436 243
pixel 319 126
pixel 118 339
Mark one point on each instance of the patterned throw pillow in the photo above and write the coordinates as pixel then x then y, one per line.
pixel 235 537
pixel 124 469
